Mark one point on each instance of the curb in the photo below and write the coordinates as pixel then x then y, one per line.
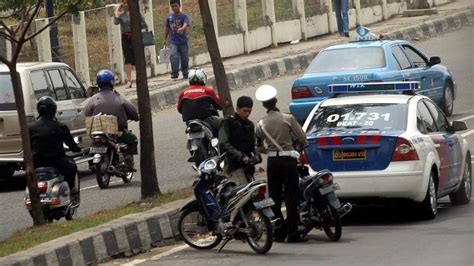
pixel 162 98
pixel 137 233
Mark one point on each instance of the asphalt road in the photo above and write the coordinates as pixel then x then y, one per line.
pixel 456 52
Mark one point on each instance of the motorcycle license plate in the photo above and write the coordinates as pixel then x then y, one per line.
pixel 98 149
pixel 326 190
pixel 266 203
pixel 196 135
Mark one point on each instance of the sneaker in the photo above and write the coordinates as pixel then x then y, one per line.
pixel 185 76
pixel 347 34
pixel 174 77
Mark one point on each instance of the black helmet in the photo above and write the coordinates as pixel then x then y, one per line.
pixel 46 106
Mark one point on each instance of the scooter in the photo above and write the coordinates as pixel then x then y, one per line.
pixel 200 141
pixel 56 197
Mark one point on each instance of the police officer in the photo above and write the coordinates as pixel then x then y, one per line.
pixel 47 136
pixel 282 136
pixel 109 102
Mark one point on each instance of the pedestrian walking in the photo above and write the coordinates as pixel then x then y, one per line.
pixel 122 18
pixel 176 38
pixel 237 140
pixel 280 136
pixel 341 8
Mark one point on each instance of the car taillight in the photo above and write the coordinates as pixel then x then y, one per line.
pixel 261 191
pixel 42 187
pixel 325 179
pixel 97 140
pixel 301 92
pixel 404 151
pixel 303 158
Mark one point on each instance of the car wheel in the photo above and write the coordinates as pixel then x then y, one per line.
pixel 463 194
pixel 6 171
pixel 448 99
pixel 429 206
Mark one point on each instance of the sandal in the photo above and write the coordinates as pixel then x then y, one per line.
pixel 129 84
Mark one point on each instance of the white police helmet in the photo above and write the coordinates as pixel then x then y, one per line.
pixel 197 76
pixel 265 93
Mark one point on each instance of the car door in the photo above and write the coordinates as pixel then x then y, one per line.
pixel 66 110
pixel 455 157
pixel 441 143
pixel 77 94
pixel 425 73
pixel 407 72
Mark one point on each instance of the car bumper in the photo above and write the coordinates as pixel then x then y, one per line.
pixel 399 180
pixel 11 158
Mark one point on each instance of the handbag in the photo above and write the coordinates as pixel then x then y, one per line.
pixel 147 38
pixel 165 55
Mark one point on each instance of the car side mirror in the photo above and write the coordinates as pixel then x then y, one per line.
pixel 457 126
pixel 435 60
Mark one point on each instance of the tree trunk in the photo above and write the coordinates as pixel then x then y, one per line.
pixel 31 181
pixel 217 64
pixel 149 185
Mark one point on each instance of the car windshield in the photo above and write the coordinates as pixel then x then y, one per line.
pixel 368 117
pixel 347 59
pixel 7 98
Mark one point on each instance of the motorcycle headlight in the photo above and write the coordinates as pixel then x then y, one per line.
pixel 209 165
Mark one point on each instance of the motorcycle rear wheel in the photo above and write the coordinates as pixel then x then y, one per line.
pixel 261 227
pixel 199 155
pixel 332 225
pixel 102 176
pixel 202 238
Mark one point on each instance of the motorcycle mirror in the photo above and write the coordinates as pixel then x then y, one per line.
pixel 214 142
pixel 222 165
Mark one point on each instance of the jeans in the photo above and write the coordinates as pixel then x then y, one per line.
pixel 179 53
pixel 341 8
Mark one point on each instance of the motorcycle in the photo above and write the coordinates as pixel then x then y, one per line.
pixel 56 197
pixel 109 159
pixel 319 206
pixel 201 142
pixel 223 211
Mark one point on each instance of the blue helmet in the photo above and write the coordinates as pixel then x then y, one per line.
pixel 105 77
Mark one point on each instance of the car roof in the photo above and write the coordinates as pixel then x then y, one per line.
pixel 32 66
pixel 359 44
pixel 369 99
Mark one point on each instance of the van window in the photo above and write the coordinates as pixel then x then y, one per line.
pixel 76 91
pixel 7 98
pixel 58 85
pixel 40 85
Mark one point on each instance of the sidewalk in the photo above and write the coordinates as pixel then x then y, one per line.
pixel 287 59
pixel 139 232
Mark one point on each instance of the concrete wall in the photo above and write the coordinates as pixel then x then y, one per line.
pixel 231 45
pixel 317 25
pixel 288 31
pixel 259 38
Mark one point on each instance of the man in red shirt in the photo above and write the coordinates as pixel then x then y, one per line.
pixel 199 101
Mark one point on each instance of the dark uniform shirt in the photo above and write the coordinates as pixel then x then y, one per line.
pixel 47 136
pixel 108 102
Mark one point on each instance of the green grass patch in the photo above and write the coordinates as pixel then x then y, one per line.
pixel 33 236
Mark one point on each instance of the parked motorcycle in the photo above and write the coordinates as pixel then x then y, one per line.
pixel 109 159
pixel 223 211
pixel 319 206
pixel 201 142
pixel 56 197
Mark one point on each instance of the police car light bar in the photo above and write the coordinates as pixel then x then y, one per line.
pixel 374 87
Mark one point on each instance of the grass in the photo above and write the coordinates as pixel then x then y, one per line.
pixel 30 237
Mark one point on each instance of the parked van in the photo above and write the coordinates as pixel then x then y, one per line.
pixel 39 79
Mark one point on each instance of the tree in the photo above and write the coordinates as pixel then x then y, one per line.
pixel 217 64
pixel 26 11
pixel 149 186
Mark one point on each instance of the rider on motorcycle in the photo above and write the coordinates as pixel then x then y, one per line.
pixel 47 136
pixel 109 102
pixel 199 101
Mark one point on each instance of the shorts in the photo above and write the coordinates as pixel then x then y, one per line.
pixel 127 48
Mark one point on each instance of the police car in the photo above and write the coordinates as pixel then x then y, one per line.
pixel 368 59
pixel 397 145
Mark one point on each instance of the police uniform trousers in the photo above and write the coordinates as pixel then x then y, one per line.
pixel 283 180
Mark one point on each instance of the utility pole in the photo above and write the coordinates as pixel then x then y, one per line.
pixel 53 32
pixel 217 64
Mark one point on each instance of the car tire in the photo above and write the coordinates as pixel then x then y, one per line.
pixel 429 207
pixel 463 194
pixel 7 171
pixel 448 99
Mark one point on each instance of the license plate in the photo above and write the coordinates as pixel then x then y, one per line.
pixel 98 149
pixel 349 154
pixel 196 135
pixel 263 204
pixel 326 190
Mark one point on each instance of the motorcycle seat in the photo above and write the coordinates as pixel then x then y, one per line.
pixel 305 181
pixel 232 191
pixel 46 173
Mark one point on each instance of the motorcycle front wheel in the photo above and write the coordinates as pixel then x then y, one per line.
pixel 260 238
pixel 194 230
pixel 101 173
pixel 332 225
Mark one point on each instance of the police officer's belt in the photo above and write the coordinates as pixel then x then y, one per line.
pixel 293 154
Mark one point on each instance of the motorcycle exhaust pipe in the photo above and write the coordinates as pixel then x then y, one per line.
pixel 276 223
pixel 345 209
pixel 112 170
